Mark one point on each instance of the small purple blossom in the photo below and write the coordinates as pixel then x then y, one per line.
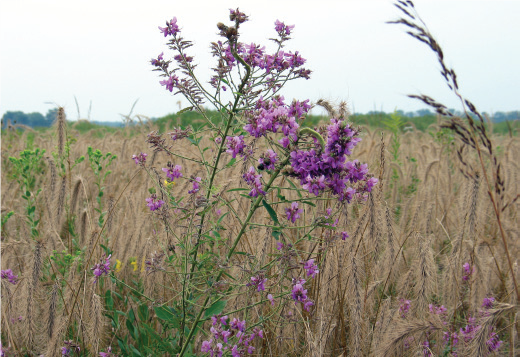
pixel 487 303
pixel 170 82
pixel 8 274
pixel 235 145
pixel 101 268
pixel 312 269
pixel 140 158
pixel 344 235
pixel 271 299
pixel 173 172
pixel 258 282
pixel 154 203
pixel 468 271
pixel 196 185
pixel 404 307
pixel 293 213
pixel 253 180
pixel 171 28
pixel 236 324
pixel 267 160
pixel 157 62
pixel 282 29
pixel 493 342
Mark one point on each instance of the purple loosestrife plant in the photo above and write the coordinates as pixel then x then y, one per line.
pixel 266 134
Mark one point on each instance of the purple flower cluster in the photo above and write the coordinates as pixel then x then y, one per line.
pixel 299 294
pixel 171 28
pixel 235 145
pixel 404 307
pixel 487 303
pixel 320 169
pixel 170 82
pixel 220 343
pixel 253 180
pixel 293 213
pixel 179 133
pixel 274 116
pixel 173 172
pixel 258 282
pixel 267 160
pixel 283 29
pixel 8 274
pixel 312 269
pixel 103 267
pixel 468 271
pixel 154 203
pixel 196 185
pixel 70 349
pixel 140 158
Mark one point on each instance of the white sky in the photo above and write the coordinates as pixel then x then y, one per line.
pixel 99 51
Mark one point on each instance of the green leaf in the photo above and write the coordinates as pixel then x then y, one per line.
pixel 294 186
pixel 231 162
pixel 142 312
pixel 271 212
pixel 164 313
pixel 276 234
pixel 238 189
pixel 216 308
pixel 309 203
pixel 109 301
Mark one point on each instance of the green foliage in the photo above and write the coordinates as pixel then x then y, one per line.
pixel 26 171
pixel 395 125
pixel 98 161
pixel 5 218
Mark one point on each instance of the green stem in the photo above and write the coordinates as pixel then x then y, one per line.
pixel 231 251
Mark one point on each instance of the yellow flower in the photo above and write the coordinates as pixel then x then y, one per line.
pixel 135 265
pixel 169 183
pixel 118 265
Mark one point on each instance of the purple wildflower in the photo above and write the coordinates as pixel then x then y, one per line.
pixel 154 203
pixel 271 299
pixel 487 303
pixel 283 29
pixel 171 28
pixel 236 324
pixel 293 213
pixel 344 235
pixel 468 271
pixel 493 342
pixel 258 282
pixel 253 180
pixel 157 62
pixel 312 269
pixel 235 145
pixel 298 293
pixel 196 187
pixel 267 160
pixel 101 268
pixel 170 82
pixel 8 274
pixel 140 158
pixel 173 172
pixel 404 307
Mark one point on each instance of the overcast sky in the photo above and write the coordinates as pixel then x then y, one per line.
pixel 99 51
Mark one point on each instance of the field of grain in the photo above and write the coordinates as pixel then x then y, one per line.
pixel 426 237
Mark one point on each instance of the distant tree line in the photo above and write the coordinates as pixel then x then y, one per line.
pixel 30 119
